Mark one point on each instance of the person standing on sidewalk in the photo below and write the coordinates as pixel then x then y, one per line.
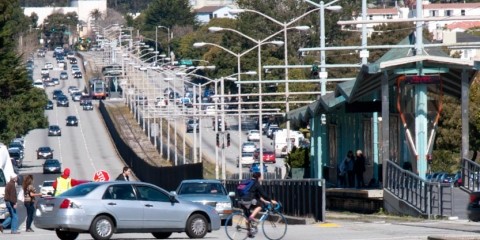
pixel 11 203
pixel 125 175
pixel 359 167
pixel 29 200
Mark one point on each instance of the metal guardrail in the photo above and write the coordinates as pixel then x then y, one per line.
pixel 299 198
pixel 428 198
pixel 470 175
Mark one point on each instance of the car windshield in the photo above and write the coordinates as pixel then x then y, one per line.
pixel 247 154
pixel 201 188
pixel 79 190
pixel 51 162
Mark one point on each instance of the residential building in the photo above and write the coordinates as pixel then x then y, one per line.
pixel 197 4
pixel 205 14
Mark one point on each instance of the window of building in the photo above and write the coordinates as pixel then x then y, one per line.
pixel 462 12
pixel 448 13
pixel 370 17
pixel 433 13
pixel 389 16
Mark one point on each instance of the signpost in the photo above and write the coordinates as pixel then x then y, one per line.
pixel 101 176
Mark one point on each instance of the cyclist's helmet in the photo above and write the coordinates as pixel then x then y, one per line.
pixel 256 174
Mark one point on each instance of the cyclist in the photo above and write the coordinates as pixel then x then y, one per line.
pixel 255 199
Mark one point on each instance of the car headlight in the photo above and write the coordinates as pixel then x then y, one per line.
pixel 223 205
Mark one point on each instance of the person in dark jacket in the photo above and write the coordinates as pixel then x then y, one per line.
pixel 359 168
pixel 11 203
pixel 125 175
pixel 256 198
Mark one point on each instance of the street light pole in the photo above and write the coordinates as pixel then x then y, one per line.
pixel 156 43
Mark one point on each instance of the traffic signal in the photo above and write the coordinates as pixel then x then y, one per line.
pixel 218 140
pixel 228 139
pixel 314 71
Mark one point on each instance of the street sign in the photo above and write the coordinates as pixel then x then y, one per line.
pixel 101 176
pixel 186 62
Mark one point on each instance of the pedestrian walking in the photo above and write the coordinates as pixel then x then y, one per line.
pixel 125 175
pixel 11 203
pixel 359 168
pixel 64 182
pixel 350 176
pixel 29 200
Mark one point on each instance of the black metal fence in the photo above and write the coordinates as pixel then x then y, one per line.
pixel 429 198
pixel 165 177
pixel 470 175
pixel 300 198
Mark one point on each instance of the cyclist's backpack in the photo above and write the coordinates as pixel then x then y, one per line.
pixel 243 189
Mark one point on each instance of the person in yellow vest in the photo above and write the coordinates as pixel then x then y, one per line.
pixel 64 182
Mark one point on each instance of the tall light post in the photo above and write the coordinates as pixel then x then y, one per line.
pixel 156 38
pixel 202 44
pixel 285 26
pixel 323 73
pixel 222 112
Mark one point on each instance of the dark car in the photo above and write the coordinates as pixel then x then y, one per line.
pixel 73 60
pixel 54 130
pixel 56 93
pixel 62 101
pixel 49 105
pixel 85 98
pixel 88 106
pixel 473 207
pixel 72 121
pixel 16 155
pixel 52 166
pixel 44 153
pixel 64 75
pixel 17 145
pixel 77 75
pixel 192 124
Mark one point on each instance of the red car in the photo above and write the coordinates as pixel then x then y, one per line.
pixel 268 156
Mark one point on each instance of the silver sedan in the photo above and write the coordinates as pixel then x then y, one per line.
pixel 105 208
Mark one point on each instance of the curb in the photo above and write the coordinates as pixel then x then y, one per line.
pixel 454 237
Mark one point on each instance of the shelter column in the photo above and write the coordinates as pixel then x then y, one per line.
pixel 465 115
pixel 385 125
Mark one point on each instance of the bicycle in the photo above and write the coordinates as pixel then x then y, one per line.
pixel 274 224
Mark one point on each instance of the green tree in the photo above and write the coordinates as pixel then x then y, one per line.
pixel 21 106
pixel 172 14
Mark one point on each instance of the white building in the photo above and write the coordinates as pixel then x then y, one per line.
pixel 205 14
pixel 83 8
pixel 197 4
pixel 382 14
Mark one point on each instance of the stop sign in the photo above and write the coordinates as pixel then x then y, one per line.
pixel 101 176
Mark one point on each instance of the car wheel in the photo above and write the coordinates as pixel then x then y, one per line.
pixel 65 235
pixel 197 226
pixel 161 235
pixel 101 228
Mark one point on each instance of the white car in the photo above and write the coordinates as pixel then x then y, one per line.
pixel 247 158
pixel 47 188
pixel 249 147
pixel 39 84
pixel 49 66
pixel 253 135
pixel 210 110
pixel 45 71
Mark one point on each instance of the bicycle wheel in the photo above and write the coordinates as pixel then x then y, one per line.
pixel 236 226
pixel 275 226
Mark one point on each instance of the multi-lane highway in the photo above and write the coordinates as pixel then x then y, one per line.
pixel 84 149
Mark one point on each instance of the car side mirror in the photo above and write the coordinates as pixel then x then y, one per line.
pixel 173 198
pixel 174 193
pixel 40 186
pixel 231 194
